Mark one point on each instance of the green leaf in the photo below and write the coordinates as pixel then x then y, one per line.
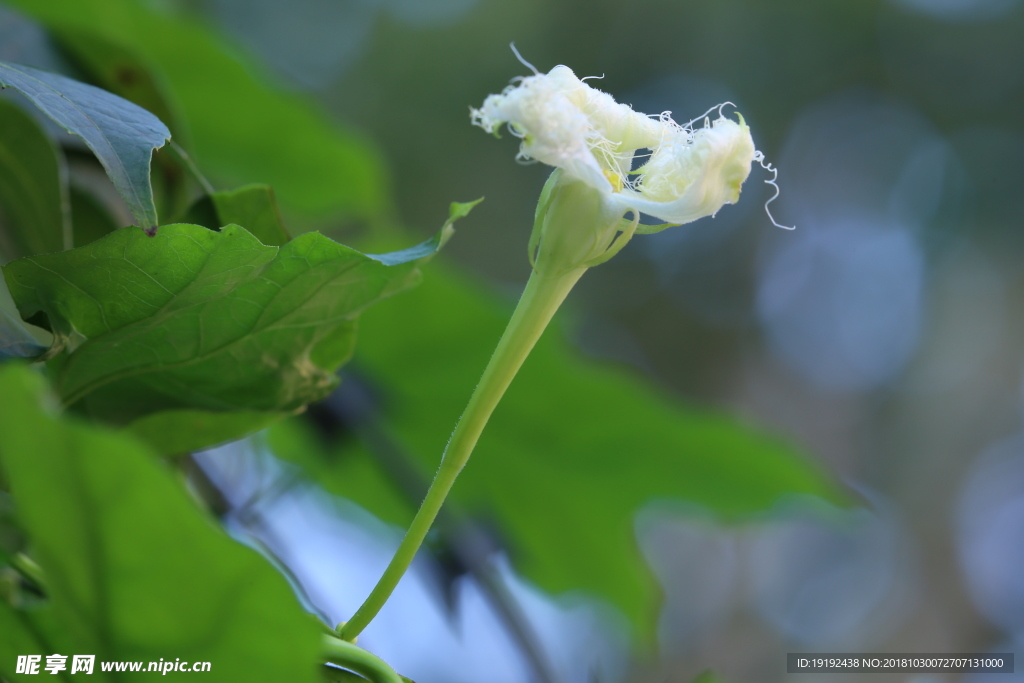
pixel 707 677
pixel 197 319
pixel 571 454
pixel 121 135
pixel 241 129
pixel 133 570
pixel 202 212
pixel 456 210
pixel 180 432
pixel 254 207
pixel 33 187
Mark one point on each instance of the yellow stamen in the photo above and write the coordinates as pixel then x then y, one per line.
pixel 615 179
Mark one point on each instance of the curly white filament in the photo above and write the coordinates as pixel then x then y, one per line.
pixel 759 158
pixel 719 107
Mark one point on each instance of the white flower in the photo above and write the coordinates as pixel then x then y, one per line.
pixel 563 122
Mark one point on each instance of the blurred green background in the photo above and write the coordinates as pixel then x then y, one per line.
pixel 882 337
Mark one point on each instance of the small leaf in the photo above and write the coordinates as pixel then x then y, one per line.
pixel 122 135
pixel 180 432
pixel 197 319
pixel 254 207
pixel 33 186
pixel 202 212
pixel 707 677
pixel 456 211
pixel 133 570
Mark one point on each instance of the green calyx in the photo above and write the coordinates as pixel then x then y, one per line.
pixel 574 227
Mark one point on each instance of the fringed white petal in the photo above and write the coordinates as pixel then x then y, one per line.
pixel 694 174
pixel 565 123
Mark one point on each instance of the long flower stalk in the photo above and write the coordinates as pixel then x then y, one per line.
pixel 538 304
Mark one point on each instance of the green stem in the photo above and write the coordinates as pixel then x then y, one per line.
pixel 541 298
pixel 191 167
pixel 357 659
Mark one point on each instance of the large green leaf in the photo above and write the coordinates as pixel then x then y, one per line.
pixel 122 135
pixel 207 320
pixel 33 187
pixel 133 570
pixel 242 130
pixel 574 450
